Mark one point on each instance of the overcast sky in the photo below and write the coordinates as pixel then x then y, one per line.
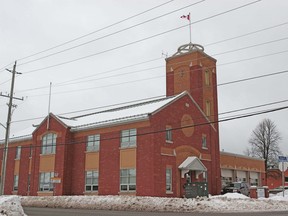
pixel 31 26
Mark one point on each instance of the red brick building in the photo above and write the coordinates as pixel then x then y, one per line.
pixel 235 167
pixel 150 148
pixel 275 178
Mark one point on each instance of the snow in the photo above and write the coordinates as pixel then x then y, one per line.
pixel 230 202
pixel 10 205
pixel 120 114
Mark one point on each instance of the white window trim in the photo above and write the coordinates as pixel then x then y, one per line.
pixel 171 188
pixel 92 185
pixel 129 144
pixel 168 135
pixel 46 146
pixel 95 143
pixel 129 184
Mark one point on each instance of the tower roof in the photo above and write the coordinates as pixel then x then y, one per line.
pixel 190 48
pixel 187 48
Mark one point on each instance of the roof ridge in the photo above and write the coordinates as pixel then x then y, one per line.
pixel 120 108
pixel 111 120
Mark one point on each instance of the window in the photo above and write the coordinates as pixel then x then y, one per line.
pixel 168 134
pixel 45 183
pixel 207 77
pixel 93 143
pixel 286 179
pixel 29 182
pixel 91 182
pixel 204 141
pixel 208 108
pixel 48 144
pixel 16 180
pixel 168 179
pixel 30 151
pixel 18 152
pixel 128 180
pixel 128 138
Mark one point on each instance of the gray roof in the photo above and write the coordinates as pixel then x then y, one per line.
pixel 105 117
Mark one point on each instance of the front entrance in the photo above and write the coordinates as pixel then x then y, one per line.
pixel 193 178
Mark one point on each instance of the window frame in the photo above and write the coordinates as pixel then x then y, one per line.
pixel 29 182
pixel 126 180
pixel 168 180
pixel 128 138
pixel 208 108
pixel 204 141
pixel 48 145
pixel 43 177
pixel 207 77
pixel 15 182
pixel 168 135
pixel 93 143
pixel 92 185
pixel 31 151
pixel 18 153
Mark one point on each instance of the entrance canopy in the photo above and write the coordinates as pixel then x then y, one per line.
pixel 192 163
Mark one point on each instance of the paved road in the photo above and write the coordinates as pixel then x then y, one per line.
pixel 76 212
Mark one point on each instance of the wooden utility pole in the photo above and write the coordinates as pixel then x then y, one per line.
pixel 5 149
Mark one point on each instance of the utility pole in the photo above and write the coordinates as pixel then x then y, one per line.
pixel 5 149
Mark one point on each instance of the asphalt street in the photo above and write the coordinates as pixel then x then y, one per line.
pixel 31 211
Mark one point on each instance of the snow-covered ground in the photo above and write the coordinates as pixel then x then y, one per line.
pixel 231 202
pixel 10 205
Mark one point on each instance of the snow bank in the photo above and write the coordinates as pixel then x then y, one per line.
pixel 10 205
pixel 230 202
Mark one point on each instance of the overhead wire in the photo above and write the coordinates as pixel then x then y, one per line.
pixel 231 118
pixel 205 45
pixel 221 84
pixel 140 40
pixel 108 35
pixel 98 30
pixel 133 72
pixel 160 76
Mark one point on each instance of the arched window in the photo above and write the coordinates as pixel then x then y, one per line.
pixel 49 144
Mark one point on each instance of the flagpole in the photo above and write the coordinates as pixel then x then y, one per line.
pixel 190 26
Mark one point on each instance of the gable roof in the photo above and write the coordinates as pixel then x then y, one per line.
pixel 118 115
pixel 108 117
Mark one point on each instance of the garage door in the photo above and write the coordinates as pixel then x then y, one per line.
pixel 254 178
pixel 241 176
pixel 226 173
pixel 226 177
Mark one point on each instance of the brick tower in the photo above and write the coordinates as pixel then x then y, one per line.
pixel 191 69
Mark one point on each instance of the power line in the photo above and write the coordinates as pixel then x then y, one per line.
pixel 249 33
pixel 253 107
pixel 221 84
pixel 98 30
pixel 246 115
pixel 156 77
pixel 213 43
pixel 107 106
pixel 251 46
pixel 108 35
pixel 109 71
pixel 3 68
pixel 251 78
pixel 140 40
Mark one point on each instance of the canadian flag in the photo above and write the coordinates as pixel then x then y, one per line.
pixel 186 17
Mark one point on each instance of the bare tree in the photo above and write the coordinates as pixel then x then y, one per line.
pixel 264 143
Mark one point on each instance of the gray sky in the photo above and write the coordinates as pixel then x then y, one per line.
pixel 28 27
